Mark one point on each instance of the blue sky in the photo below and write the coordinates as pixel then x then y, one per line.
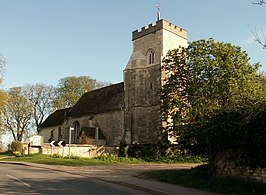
pixel 46 40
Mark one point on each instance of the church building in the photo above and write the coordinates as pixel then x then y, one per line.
pixel 128 111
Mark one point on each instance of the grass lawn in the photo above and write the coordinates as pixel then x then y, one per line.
pixel 199 178
pixel 73 161
pixel 103 160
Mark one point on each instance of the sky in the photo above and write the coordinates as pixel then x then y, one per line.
pixel 46 40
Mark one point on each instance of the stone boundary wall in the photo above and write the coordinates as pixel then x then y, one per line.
pixel 77 150
pixel 258 174
pixel 227 164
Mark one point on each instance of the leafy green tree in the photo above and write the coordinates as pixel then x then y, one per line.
pixel 17 113
pixel 263 79
pixel 203 80
pixel 175 105
pixel 41 97
pixel 70 89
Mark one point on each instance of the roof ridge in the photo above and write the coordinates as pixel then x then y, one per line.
pixel 99 100
pixel 102 88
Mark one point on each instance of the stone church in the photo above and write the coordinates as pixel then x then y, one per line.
pixel 130 110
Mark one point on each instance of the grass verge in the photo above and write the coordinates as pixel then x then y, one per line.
pixel 103 160
pixel 4 154
pixel 199 178
pixel 55 160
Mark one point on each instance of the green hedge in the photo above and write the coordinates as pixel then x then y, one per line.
pixel 243 132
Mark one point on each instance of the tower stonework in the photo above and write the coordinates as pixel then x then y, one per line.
pixel 143 80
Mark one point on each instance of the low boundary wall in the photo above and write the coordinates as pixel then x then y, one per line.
pixel 227 164
pixel 79 150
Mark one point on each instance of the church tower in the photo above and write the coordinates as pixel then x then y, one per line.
pixel 143 80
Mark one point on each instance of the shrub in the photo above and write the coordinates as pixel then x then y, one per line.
pixel 84 139
pixel 16 147
pixel 242 132
pixel 154 150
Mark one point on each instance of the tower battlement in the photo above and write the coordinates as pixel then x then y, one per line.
pixel 161 24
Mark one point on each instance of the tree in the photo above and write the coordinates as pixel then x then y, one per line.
pixel 2 64
pixel 17 113
pixel 239 135
pixel 204 80
pixel 259 2
pixel 41 97
pixel 258 38
pixel 3 98
pixel 256 35
pixel 70 89
pixel 175 105
pixel 263 79
pixel 2 93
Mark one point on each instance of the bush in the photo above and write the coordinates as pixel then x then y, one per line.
pixel 242 132
pixel 153 150
pixel 16 147
pixel 162 153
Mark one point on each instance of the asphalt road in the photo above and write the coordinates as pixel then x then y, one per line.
pixel 17 179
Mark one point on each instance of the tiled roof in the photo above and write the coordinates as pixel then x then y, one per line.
pixel 56 118
pixel 100 100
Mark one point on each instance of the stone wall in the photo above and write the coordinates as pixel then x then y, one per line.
pixel 110 124
pixel 143 113
pixel 161 24
pixel 228 163
pixel 143 80
pixel 171 41
pixel 46 133
pixel 146 125
pixel 86 151
pixel 258 174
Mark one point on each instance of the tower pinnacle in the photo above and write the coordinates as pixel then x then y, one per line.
pixel 158 11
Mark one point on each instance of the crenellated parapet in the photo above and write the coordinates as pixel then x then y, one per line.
pixel 161 24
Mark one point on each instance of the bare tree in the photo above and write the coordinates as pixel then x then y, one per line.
pixel 2 93
pixel 41 97
pixel 17 113
pixel 259 2
pixel 259 37
pixel 2 64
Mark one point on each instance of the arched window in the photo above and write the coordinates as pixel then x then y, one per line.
pixel 76 131
pixel 151 56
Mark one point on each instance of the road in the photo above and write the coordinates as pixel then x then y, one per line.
pixel 17 179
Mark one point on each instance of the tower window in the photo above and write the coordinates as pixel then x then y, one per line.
pixel 151 56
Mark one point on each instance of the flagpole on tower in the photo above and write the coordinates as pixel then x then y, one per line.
pixel 158 12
